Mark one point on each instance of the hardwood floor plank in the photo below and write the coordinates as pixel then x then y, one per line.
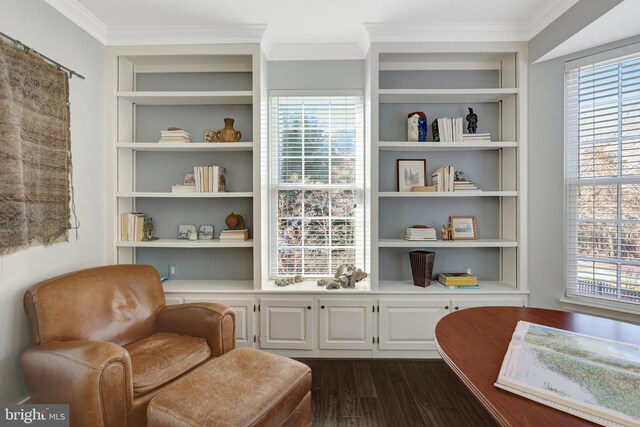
pixel 390 412
pixel 349 400
pixel 364 382
pixel 330 395
pixel 381 393
pixel 408 409
pixel 424 390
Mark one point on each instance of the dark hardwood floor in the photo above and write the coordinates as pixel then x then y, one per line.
pixel 391 393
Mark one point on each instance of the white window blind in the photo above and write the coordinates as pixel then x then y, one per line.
pixel 317 184
pixel 602 179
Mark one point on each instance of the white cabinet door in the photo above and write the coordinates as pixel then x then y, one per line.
pixel 462 303
pixel 245 318
pixel 286 324
pixel 346 324
pixel 410 324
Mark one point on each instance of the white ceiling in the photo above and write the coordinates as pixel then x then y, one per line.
pixel 316 24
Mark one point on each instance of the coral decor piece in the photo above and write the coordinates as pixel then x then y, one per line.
pixel 347 275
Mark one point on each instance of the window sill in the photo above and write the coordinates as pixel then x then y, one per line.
pixel 612 310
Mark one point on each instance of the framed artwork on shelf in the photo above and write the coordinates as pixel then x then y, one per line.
pixel 411 173
pixel 463 228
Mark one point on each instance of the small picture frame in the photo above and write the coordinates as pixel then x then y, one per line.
pixel 211 136
pixel 205 232
pixel 411 173
pixel 463 228
pixel 184 230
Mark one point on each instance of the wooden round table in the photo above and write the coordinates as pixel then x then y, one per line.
pixel 473 343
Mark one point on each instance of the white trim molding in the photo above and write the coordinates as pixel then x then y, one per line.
pixel 185 34
pixel 462 32
pixel 544 16
pixel 603 308
pixel 81 16
pixel 441 32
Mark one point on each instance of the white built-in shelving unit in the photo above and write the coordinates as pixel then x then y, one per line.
pixel 442 80
pixel 193 87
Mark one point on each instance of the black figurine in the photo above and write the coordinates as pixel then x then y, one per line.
pixel 472 118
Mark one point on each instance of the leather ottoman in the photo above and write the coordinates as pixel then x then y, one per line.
pixel 244 387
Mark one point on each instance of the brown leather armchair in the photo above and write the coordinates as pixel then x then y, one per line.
pixel 106 343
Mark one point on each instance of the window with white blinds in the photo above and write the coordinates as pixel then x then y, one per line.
pixel 602 179
pixel 317 184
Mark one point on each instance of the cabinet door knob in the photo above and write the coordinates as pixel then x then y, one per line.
pixel 456 307
pixel 322 307
pixel 446 307
pixel 308 307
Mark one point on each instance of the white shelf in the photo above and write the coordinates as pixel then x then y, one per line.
pixel 185 195
pixel 181 146
pixel 179 243
pixel 311 286
pixel 187 98
pixel 444 146
pixel 207 286
pixel 432 96
pixel 480 243
pixel 448 194
pixel 486 287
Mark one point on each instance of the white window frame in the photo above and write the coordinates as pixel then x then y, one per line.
pixel 360 186
pixel 616 308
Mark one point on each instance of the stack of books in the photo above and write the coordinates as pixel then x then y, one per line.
pixel 443 178
pixel 458 281
pixel 476 137
pixel 420 233
pixel 234 235
pixel 447 129
pixel 465 185
pixel 175 135
pixel 208 179
pixel 131 226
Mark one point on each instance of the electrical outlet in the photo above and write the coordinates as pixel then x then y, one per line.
pixel 172 271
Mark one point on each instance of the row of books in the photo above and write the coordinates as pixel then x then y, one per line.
pixel 132 226
pixel 421 234
pixel 447 129
pixel 234 235
pixel 443 178
pixel 175 135
pixel 206 179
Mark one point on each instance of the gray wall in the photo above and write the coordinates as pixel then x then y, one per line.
pixel 40 26
pixel 315 75
pixel 546 176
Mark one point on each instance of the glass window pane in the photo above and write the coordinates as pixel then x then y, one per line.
pixel 317 141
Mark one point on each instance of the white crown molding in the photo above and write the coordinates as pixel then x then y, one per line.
pixel 80 16
pixel 185 34
pixel 439 32
pixel 309 52
pixel 544 16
